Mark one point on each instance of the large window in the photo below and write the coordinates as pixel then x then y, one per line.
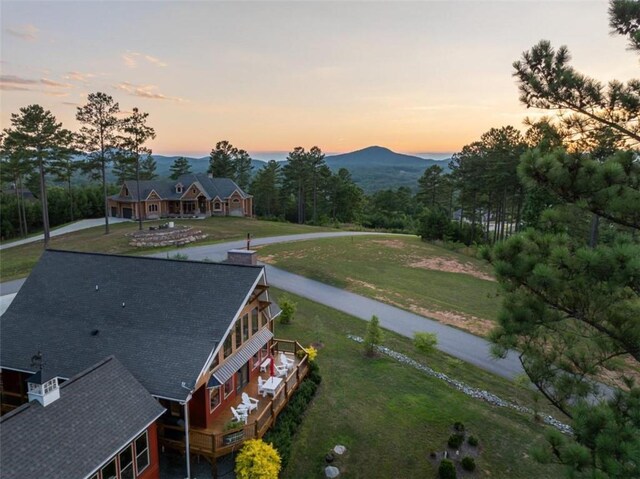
pixel 227 346
pixel 109 471
pixel 238 333
pixel 228 387
pixel 142 452
pixel 254 321
pixel 153 207
pixel 245 327
pixel 126 463
pixel 215 398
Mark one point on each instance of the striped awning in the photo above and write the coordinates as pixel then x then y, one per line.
pixel 238 359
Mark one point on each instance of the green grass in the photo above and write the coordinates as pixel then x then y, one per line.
pixel 16 262
pixel 378 267
pixel 391 416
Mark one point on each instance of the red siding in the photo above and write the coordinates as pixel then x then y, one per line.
pixel 153 471
pixel 199 407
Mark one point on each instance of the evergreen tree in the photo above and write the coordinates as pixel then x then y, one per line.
pixel 242 169
pixel 36 132
pixel 14 167
pixel 136 134
pixel 265 189
pixel 148 168
pixel 296 180
pixel 428 185
pixel 180 166
pixel 64 166
pixel 345 197
pixel 221 160
pixel 373 337
pixel 99 139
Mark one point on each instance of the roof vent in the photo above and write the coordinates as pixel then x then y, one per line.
pixel 42 388
pixel 95 332
pixel 123 304
pixel 96 287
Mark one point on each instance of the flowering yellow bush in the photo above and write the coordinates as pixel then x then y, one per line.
pixel 312 352
pixel 257 460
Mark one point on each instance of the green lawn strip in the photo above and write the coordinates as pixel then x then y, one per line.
pixel 17 262
pixel 391 416
pixel 379 268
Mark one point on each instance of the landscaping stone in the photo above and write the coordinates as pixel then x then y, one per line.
pixel 331 471
pixel 339 449
pixel 468 390
pixel 156 238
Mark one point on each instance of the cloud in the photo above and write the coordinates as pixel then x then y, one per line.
pixel 56 93
pixel 46 81
pixel 16 80
pixel 26 32
pixel 5 87
pixel 131 59
pixel 78 76
pixel 145 91
pixel 70 103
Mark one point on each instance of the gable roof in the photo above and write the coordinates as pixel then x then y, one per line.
pixel 99 411
pixel 161 318
pixel 166 189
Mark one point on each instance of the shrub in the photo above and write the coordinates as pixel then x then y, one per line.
pixel 425 342
pixel 373 337
pixel 314 373
pixel 288 310
pixel 473 441
pixel 233 424
pixel 458 426
pixel 446 470
pixel 468 464
pixel 455 440
pixel 257 459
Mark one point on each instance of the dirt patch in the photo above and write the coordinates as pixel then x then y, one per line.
pixel 391 243
pixel 269 259
pixel 450 266
pixel 363 284
pixel 273 259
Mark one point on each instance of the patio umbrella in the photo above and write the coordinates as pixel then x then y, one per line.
pixel 272 365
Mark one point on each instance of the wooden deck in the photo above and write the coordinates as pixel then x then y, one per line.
pixel 216 441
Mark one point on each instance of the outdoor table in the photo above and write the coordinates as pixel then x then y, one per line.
pixel 270 385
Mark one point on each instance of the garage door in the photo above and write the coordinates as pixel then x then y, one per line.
pixel 127 213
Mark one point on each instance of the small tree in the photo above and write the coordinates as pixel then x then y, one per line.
pixel 180 166
pixel 288 310
pixel 425 342
pixel 373 337
pixel 447 470
pixel 257 460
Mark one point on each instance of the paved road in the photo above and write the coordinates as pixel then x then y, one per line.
pixel 455 342
pixel 70 228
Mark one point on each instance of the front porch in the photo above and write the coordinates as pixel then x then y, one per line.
pixel 216 440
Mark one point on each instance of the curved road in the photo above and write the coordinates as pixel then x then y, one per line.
pixel 455 342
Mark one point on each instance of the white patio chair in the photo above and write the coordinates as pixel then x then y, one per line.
pixel 261 386
pixel 281 371
pixel 286 362
pixel 240 416
pixel 249 402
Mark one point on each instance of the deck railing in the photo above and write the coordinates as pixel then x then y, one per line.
pixel 216 444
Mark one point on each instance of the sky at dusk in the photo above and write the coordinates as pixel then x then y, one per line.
pixel 269 76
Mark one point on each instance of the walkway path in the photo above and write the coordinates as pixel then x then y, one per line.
pixel 455 342
pixel 70 228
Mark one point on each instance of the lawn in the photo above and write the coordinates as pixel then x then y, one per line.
pixel 390 416
pixel 17 262
pixel 400 270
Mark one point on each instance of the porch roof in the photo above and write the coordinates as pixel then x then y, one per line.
pixel 234 362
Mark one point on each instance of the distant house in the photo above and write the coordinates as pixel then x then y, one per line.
pixel 99 424
pixel 189 195
pixel 195 335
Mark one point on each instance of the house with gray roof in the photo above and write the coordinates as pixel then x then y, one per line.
pixel 97 425
pixel 195 335
pixel 194 194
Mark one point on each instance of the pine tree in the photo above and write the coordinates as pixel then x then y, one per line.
pixel 148 168
pixel 373 337
pixel 266 189
pixel 180 166
pixel 221 160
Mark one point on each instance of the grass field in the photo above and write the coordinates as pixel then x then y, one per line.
pixel 16 262
pixel 400 270
pixel 390 416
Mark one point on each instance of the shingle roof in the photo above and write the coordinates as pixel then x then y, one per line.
pixel 166 189
pixel 99 411
pixel 174 314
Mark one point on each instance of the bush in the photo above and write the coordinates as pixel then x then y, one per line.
pixel 257 459
pixel 458 426
pixel 468 464
pixel 373 337
pixel 288 310
pixel 455 441
pixel 446 470
pixel 473 441
pixel 425 342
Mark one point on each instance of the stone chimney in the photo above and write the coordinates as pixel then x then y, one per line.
pixel 42 388
pixel 242 256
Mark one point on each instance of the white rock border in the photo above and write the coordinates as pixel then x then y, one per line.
pixel 468 390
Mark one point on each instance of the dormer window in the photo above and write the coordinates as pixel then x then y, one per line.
pixel 126 191
pixel 179 188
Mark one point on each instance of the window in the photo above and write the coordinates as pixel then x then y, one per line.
pixel 194 190
pixel 245 327
pixel 255 361
pixel 236 200
pixel 215 362
pixel 228 387
pixel 109 471
pixel 142 452
pixel 254 321
pixel 178 188
pixel 215 398
pixel 238 333
pixel 153 207
pixel 126 463
pixel 265 319
pixel 217 206
pixel 126 191
pixel 227 346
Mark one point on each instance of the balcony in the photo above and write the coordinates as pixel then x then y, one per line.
pixel 216 440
